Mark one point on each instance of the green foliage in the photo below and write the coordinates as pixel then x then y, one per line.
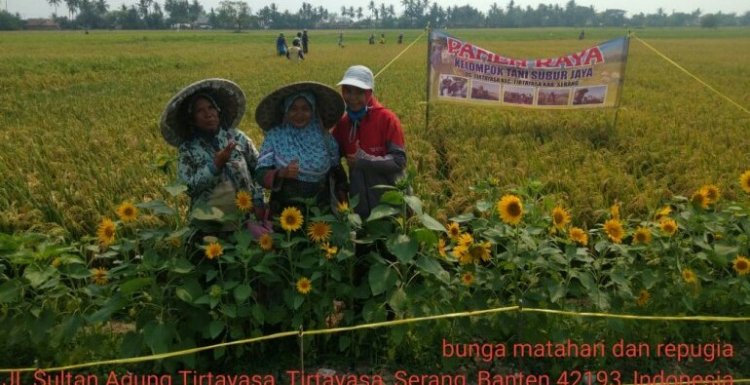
pixel 338 270
pixel 10 22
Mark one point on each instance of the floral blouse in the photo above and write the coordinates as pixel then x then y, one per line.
pixel 196 165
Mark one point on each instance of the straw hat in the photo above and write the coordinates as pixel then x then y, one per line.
pixel 329 104
pixel 175 120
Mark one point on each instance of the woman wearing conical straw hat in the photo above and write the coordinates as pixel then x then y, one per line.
pixel 216 160
pixel 299 159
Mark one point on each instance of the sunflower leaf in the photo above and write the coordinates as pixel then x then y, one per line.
pixel 381 278
pixel 10 291
pixel 403 247
pixel 382 211
pixel 157 207
pixel 215 328
pixel 136 284
pixel 207 214
pixel 431 223
pixel 432 266
pixel 176 189
pixel 415 204
pixel 393 197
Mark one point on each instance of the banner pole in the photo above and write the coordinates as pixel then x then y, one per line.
pixel 614 122
pixel 427 83
pixel 621 82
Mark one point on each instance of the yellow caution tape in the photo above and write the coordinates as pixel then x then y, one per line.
pixel 388 324
pixel 691 75
pixel 399 55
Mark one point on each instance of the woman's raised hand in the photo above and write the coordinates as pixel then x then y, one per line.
pixel 222 157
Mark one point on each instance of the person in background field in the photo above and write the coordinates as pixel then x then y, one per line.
pixel 281 47
pixel 370 137
pixel 382 38
pixel 299 159
pixel 305 41
pixel 400 38
pixel 371 40
pixel 216 160
pixel 581 36
pixel 295 52
pixel 341 39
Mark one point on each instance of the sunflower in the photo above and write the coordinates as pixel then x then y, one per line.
pixel 467 278
pixel 99 276
pixel 454 231
pixel 643 297
pixel 465 240
pixel 291 219
pixel 266 242
pixel 329 250
pixel 127 212
pixel 304 285
pixel 213 250
pixel 510 209
pixel 343 207
pixel 481 252
pixel 462 254
pixel 745 181
pixel 668 226
pixel 244 201
pixel 689 276
pixel 319 231
pixel 614 230
pixel 699 200
pixel 560 218
pixel 614 211
pixel 441 247
pixel 663 212
pixel 175 242
pixel 711 192
pixel 106 232
pixel 741 265
pixel 579 236
pixel 642 235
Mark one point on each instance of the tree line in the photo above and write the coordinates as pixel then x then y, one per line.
pixel 152 14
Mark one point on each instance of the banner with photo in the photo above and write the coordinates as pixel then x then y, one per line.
pixel 463 72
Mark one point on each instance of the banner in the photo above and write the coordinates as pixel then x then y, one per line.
pixel 463 72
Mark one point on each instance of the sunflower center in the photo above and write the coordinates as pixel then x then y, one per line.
pixel 514 209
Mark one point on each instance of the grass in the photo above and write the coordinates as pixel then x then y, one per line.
pixel 80 117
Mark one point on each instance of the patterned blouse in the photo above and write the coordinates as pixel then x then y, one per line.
pixel 196 165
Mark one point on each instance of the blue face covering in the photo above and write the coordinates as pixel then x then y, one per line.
pixel 356 116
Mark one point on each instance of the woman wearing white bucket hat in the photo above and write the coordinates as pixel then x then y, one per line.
pixel 371 138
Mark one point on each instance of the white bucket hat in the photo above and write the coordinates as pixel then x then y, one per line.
pixel 358 76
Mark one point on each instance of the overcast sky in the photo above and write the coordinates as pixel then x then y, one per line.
pixel 41 8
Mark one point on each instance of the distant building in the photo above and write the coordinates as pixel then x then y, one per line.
pixel 202 23
pixel 181 26
pixel 41 25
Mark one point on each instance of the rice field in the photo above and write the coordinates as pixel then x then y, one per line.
pixel 79 118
